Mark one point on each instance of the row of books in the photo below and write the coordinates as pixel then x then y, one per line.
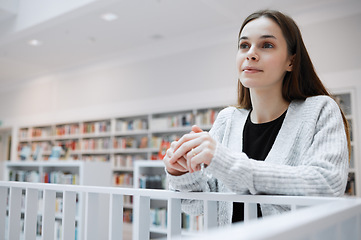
pixel 131 125
pixel 36 132
pixel 64 148
pixel 180 120
pixel 24 176
pixel 94 158
pixel 152 181
pixel 23 133
pixel 37 150
pixel 158 217
pixel 45 146
pixel 96 144
pixel 96 127
pixel 41 132
pixel 192 223
pixel 126 161
pixel 47 177
pixel 130 142
pixel 206 118
pixel 60 177
pixel 69 144
pixel 102 143
pixel 123 179
pixel 69 129
pixel 142 142
pixel 185 119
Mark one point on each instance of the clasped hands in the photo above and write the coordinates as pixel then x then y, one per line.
pixel 189 152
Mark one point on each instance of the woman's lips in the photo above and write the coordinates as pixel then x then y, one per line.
pixel 251 70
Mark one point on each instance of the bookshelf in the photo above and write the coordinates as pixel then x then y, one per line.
pixel 66 172
pixel 346 98
pixel 151 175
pixel 119 141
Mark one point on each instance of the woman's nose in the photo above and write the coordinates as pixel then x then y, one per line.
pixel 252 55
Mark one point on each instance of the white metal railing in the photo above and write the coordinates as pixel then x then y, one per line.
pixel 324 218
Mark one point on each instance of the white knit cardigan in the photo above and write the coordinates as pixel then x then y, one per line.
pixel 308 158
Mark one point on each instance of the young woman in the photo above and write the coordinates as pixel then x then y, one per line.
pixel 286 136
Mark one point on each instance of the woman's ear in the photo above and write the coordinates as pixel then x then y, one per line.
pixel 290 64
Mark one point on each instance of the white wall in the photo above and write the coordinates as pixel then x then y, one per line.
pixel 201 77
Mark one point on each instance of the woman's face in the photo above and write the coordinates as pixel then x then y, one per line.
pixel 262 58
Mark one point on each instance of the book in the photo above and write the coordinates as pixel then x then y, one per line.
pixel 55 153
pixel 25 152
pixel 163 149
pixel 38 154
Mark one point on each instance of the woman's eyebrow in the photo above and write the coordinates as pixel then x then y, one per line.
pixel 263 36
pixel 268 36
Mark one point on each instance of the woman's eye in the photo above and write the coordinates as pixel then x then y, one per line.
pixel 267 45
pixel 243 46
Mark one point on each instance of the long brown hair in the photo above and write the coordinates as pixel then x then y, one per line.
pixel 302 81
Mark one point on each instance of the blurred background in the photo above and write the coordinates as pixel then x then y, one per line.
pixel 65 60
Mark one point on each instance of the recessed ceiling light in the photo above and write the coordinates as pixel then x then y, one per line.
pixel 35 43
pixel 157 36
pixel 109 17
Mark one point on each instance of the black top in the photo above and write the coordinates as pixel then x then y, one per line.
pixel 258 140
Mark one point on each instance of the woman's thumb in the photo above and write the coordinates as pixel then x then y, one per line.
pixel 196 129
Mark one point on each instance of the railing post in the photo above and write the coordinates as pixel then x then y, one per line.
pixel 250 211
pixel 14 212
pixel 210 214
pixel 31 211
pixel 141 218
pixel 48 219
pixel 174 218
pixel 69 209
pixel 116 217
pixel 3 202
pixel 91 216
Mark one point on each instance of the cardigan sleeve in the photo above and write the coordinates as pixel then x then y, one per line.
pixel 319 167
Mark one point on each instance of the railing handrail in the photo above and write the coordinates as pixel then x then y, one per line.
pixel 317 214
pixel 333 218
pixel 167 194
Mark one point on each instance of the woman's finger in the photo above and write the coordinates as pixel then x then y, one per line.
pixel 196 129
pixel 183 162
pixel 190 155
pixel 185 138
pixel 202 154
pixel 185 148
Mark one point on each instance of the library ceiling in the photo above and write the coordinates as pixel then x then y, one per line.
pixel 58 36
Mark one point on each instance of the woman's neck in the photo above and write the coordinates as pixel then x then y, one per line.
pixel 267 106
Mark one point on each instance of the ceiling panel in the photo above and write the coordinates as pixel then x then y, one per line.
pixel 80 37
